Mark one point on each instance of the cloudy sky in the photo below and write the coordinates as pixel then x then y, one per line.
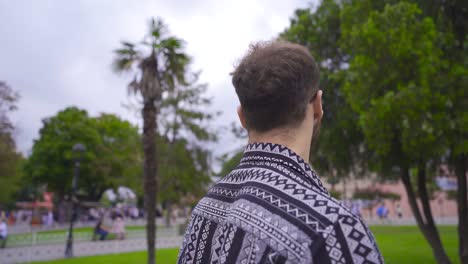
pixel 58 53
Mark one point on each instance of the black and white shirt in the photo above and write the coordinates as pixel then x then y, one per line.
pixel 273 209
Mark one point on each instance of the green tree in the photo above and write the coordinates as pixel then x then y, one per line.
pixel 451 18
pixel 120 153
pixel 389 82
pixel 184 124
pixel 9 157
pixel 230 162
pixel 158 65
pixel 111 158
pixel 326 32
pixel 320 31
pixel 184 172
pixel 184 112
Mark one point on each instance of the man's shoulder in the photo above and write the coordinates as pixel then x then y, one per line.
pixel 275 208
pixel 350 235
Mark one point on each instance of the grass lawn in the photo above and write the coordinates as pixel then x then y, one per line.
pixel 399 245
pixel 162 256
pixel 406 244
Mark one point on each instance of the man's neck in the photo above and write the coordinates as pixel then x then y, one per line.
pixel 300 144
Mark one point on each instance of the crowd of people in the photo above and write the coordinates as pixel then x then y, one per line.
pixel 381 211
pixel 108 221
pixel 111 220
pixel 105 220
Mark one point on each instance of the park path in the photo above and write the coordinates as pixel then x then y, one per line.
pixel 50 252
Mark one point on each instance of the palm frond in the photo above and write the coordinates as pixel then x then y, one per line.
pixel 125 57
pixel 121 65
pixel 134 86
pixel 157 28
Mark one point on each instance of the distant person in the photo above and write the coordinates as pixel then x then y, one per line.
pixel 44 219
pixel 119 227
pixel 134 213
pixel 382 211
pixel 273 207
pixel 93 214
pixel 398 210
pixel 3 232
pixel 101 229
pixel 11 218
pixel 50 219
pixel 356 208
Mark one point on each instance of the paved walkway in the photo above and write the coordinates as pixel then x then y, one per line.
pixel 50 252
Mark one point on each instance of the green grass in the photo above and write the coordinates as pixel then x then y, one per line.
pixel 399 245
pixel 163 256
pixel 406 244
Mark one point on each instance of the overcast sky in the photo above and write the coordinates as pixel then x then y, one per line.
pixel 58 53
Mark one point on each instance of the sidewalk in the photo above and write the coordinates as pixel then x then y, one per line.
pixel 50 252
pixel 407 221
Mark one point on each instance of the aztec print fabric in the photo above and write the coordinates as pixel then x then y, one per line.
pixel 273 209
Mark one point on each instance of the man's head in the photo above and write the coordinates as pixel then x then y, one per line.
pixel 277 86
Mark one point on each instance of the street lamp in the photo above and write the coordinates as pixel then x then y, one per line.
pixel 78 150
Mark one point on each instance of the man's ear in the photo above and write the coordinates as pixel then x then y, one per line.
pixel 240 113
pixel 318 110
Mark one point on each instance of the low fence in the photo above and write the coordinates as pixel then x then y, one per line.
pixel 408 221
pixel 80 249
pixel 26 227
pixel 52 237
pixel 47 244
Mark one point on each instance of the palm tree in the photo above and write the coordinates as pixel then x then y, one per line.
pixel 158 64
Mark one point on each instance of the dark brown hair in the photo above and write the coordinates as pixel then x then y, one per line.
pixel 274 82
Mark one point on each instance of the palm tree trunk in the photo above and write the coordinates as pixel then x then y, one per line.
pixel 150 175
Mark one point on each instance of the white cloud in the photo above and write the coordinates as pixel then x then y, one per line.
pixel 58 53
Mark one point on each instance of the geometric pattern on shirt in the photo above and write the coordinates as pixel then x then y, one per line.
pixel 218 240
pixel 286 179
pixel 274 200
pixel 269 228
pixel 289 154
pixel 228 235
pixel 249 249
pixel 202 241
pixel 192 239
pixel 359 243
pixel 186 236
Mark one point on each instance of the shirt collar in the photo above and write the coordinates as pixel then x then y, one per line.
pixel 289 158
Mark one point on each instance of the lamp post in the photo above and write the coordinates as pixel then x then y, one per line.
pixel 78 150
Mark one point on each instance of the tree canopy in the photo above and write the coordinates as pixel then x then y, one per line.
pixel 9 157
pixel 320 31
pixel 393 75
pixel 112 156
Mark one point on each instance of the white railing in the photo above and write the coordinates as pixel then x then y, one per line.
pixel 48 238
pixel 408 221
pixel 26 227
pixel 56 251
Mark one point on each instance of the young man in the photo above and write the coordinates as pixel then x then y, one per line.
pixel 273 207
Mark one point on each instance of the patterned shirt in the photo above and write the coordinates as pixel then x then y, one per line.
pixel 274 209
